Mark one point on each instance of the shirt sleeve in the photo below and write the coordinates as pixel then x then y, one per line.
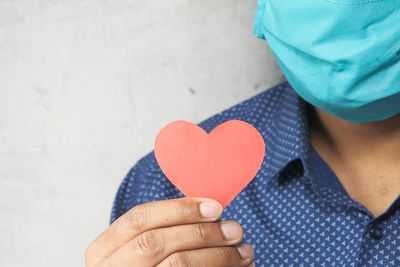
pixel 145 182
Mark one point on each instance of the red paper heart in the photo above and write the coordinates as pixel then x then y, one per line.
pixel 217 165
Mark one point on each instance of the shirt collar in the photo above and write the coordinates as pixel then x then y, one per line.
pixel 288 145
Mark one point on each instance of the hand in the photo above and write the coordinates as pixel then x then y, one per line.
pixel 178 232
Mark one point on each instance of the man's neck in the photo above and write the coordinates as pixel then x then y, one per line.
pixel 364 156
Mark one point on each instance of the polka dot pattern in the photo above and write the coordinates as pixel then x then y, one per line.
pixel 295 212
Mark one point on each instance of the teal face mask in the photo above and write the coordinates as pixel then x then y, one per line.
pixel 342 56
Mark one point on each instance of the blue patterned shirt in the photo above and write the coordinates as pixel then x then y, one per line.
pixel 295 212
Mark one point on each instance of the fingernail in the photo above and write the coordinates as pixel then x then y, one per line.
pixel 245 251
pixel 231 230
pixel 210 209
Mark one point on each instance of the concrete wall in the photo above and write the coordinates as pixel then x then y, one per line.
pixel 85 85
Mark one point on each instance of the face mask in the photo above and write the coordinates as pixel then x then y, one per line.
pixel 342 56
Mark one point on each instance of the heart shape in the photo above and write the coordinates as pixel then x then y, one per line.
pixel 217 165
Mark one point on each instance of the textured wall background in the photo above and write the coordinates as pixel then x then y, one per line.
pixel 85 85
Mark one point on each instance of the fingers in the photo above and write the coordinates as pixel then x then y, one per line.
pixel 179 231
pixel 152 247
pixel 210 257
pixel 151 216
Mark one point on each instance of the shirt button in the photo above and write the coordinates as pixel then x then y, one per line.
pixel 376 232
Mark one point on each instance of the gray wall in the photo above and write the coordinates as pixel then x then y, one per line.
pixel 85 85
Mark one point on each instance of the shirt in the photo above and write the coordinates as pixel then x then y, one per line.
pixel 295 212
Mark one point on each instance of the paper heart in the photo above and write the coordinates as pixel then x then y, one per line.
pixel 217 165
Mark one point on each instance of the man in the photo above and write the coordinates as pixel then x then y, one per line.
pixel 327 193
